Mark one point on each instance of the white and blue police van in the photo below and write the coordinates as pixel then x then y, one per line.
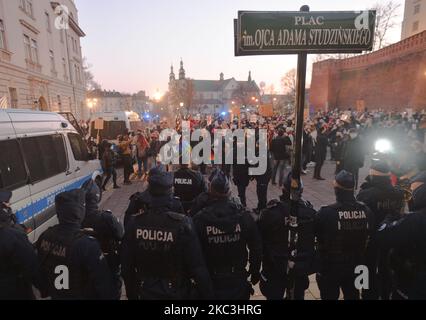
pixel 41 155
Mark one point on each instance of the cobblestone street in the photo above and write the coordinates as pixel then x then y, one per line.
pixel 317 192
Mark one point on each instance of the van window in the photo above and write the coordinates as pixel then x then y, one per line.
pixel 12 168
pixel 45 156
pixel 79 147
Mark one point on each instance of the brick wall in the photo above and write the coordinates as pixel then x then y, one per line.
pixel 393 78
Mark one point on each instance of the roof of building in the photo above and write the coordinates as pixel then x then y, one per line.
pixel 210 85
pixel 208 101
pixel 219 85
pixel 249 86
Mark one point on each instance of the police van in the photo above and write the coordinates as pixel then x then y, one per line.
pixel 114 124
pixel 41 155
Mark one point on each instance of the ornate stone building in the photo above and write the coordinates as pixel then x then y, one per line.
pixel 40 56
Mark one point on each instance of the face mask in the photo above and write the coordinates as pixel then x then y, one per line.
pixel 353 135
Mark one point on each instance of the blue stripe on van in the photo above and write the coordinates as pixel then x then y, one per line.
pixel 37 207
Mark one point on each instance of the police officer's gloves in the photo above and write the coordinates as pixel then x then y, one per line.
pixel 255 278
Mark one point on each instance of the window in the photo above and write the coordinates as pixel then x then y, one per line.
pixel 59 103
pixel 415 26
pixel 45 156
pixel 52 61
pixel 30 8
pixel 12 168
pixel 48 22
pixel 13 98
pixel 2 36
pixel 27 7
pixel 34 50
pixel 78 147
pixel 417 8
pixel 27 46
pixel 64 67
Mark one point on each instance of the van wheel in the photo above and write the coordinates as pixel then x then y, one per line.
pixel 98 181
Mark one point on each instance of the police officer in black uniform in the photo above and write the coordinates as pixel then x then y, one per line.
pixel 387 203
pixel 72 263
pixel 343 230
pixel 141 201
pixel 229 239
pixel 18 259
pixel 406 238
pixel 161 255
pixel 188 184
pixel 106 228
pixel 274 226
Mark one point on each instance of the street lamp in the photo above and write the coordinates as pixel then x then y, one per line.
pixel 158 95
pixel 91 104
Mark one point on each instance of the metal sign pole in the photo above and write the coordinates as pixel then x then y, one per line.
pixel 295 194
pixel 299 114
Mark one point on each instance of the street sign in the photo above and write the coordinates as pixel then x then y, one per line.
pixel 281 32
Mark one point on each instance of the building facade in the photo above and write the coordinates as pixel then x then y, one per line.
pixel 113 101
pixel 41 65
pixel 211 96
pixel 392 79
pixel 414 18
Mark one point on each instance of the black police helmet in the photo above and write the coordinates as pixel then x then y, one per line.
pixel 70 206
pixel 219 183
pixel 344 180
pixel 160 182
pixel 93 194
pixel 5 196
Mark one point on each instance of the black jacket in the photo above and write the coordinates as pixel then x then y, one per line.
pixel 160 254
pixel 321 148
pixel 229 239
pixel 406 239
pixel 67 245
pixel 274 229
pixel 18 263
pixel 279 148
pixel 382 198
pixel 343 231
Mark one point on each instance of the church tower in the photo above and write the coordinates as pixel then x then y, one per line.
pixel 172 75
pixel 249 77
pixel 181 71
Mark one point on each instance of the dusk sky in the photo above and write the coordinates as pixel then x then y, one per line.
pixel 132 43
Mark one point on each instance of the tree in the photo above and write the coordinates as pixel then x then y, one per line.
pixel 89 78
pixel 386 20
pixel 288 83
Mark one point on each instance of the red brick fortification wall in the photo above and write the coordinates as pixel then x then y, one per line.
pixel 393 78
